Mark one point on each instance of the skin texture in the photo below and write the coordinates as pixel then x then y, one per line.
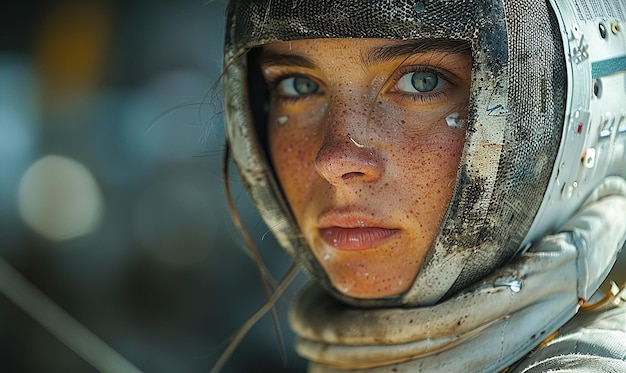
pixel 367 163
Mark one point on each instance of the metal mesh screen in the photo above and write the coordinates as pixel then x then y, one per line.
pixel 536 99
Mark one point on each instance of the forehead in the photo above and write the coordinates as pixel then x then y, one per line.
pixel 415 45
pixel 365 51
pixel 303 44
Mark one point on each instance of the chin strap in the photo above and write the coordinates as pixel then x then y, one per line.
pixel 486 328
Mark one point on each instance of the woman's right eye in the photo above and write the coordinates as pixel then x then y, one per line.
pixel 298 86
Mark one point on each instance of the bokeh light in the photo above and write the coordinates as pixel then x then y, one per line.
pixel 111 199
pixel 59 198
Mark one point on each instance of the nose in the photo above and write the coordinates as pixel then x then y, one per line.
pixel 345 158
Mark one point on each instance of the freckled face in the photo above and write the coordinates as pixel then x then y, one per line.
pixel 359 140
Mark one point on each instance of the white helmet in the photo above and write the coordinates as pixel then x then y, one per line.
pixel 546 126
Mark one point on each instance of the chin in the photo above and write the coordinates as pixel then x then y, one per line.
pixel 372 289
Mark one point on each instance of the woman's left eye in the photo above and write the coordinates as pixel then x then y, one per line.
pixel 419 82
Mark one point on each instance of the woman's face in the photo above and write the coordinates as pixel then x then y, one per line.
pixel 366 136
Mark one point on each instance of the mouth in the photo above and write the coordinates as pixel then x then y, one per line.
pixel 355 239
pixel 353 232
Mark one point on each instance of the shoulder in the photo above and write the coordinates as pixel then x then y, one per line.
pixel 589 342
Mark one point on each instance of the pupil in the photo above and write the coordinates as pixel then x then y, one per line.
pixel 424 82
pixel 304 86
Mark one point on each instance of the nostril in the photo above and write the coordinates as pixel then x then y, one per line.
pixel 351 175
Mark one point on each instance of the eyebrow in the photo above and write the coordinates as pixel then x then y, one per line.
pixel 376 55
pixel 412 47
pixel 280 59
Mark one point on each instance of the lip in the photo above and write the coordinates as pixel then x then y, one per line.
pixel 353 231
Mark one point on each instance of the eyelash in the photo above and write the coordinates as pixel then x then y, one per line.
pixel 423 97
pixel 274 82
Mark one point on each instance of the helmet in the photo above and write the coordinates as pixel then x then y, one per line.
pixel 546 125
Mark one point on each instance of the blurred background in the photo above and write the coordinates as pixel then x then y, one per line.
pixel 111 197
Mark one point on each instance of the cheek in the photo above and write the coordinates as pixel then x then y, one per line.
pixel 290 127
pixel 292 151
pixel 445 153
pixel 428 167
pixel 430 156
pixel 424 141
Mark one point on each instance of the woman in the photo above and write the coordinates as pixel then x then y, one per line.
pixel 455 202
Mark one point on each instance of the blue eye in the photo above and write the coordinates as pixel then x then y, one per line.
pixel 419 82
pixel 298 86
